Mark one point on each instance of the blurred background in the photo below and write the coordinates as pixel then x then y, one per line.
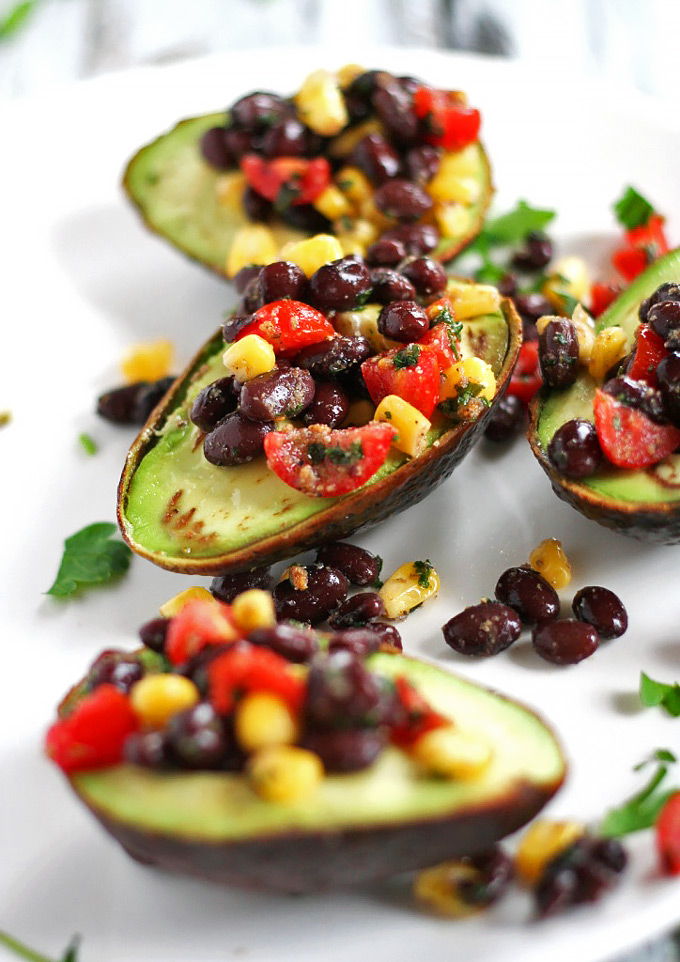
pixel 631 44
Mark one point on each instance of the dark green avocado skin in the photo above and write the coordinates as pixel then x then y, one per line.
pixel 320 862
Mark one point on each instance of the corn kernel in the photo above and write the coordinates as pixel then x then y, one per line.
pixel 373 215
pixel 147 362
pixel 540 844
pixel 348 73
pixel 313 253
pixel 263 719
pixel 360 413
pixel 411 426
pixel 569 275
pixel 284 773
pixel 543 322
pixel 453 182
pixel 355 236
pixel 354 184
pixel 229 189
pixel 549 559
pixel 321 105
pixel 156 698
pixel 364 323
pixel 472 300
pixel 608 348
pixel 438 888
pixel 174 605
pixel 342 146
pixel 252 244
pixel 253 609
pixel 248 357
pixel 332 203
pixel 466 373
pixel 452 219
pixel 450 753
pixel 585 332
pixel 409 586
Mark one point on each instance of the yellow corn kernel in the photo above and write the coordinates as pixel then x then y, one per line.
pixel 252 244
pixel 549 559
pixel 411 426
pixel 174 605
pixel 355 236
pixel 284 773
pixel 409 586
pixel 360 413
pixel 147 362
pixel 348 73
pixel 608 348
pixel 469 371
pixel 568 275
pixel 541 843
pixel 369 212
pixel 253 609
pixel 229 189
pixel 543 322
pixel 462 163
pixel 263 719
pixel 449 753
pixel 250 356
pixel 156 698
pixel 344 145
pixel 585 332
pixel 453 182
pixel 472 300
pixel 453 220
pixel 321 105
pixel 354 184
pixel 332 203
pixel 438 889
pixel 312 253
pixel 364 323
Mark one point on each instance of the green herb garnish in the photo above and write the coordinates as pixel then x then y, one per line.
pixel 632 209
pixel 88 444
pixel 423 570
pixel 23 951
pixel 407 357
pixel 490 273
pixel 90 558
pixel 336 455
pixel 16 18
pixel 656 693
pixel 641 810
pixel 513 227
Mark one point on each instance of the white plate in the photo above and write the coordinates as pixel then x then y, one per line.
pixel 81 280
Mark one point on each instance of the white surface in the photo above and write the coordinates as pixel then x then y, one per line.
pixel 81 280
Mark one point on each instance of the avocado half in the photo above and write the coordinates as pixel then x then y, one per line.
pixel 358 827
pixel 644 504
pixel 187 515
pixel 175 193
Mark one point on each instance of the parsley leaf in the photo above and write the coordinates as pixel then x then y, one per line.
pixel 656 693
pixel 632 209
pixel 23 951
pixel 90 557
pixel 513 227
pixel 641 810
pixel 407 357
pixel 423 570
pixel 490 273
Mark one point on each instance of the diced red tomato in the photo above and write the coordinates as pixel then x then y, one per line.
pixel 649 352
pixel 644 245
pixel 411 372
pixel 93 735
pixel 601 296
pixel 630 261
pixel 443 342
pixel 245 668
pixel 325 463
pixel 417 717
pixel 526 378
pixel 289 326
pixel 287 180
pixel 200 623
pixel 667 831
pixel 449 122
pixel 629 439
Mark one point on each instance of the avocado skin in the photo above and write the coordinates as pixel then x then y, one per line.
pixel 301 863
pixel 373 503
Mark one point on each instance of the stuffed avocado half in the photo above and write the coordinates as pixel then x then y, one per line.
pixel 638 492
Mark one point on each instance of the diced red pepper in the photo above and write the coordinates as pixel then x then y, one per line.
pixel 200 623
pixel 629 439
pixel 94 733
pixel 630 261
pixel 246 668
pixel 417 716
pixel 601 296
pixel 667 831
pixel 444 343
pixel 289 326
pixel 287 180
pixel 526 378
pixel 325 463
pixel 644 245
pixel 649 352
pixel 411 372
pixel 448 121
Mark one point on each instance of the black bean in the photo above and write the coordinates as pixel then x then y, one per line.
pixel 343 693
pixel 422 163
pixel 377 158
pixel 116 668
pixel 335 356
pixel 341 285
pixel 404 321
pixel 198 665
pixel 506 420
pixel 639 395
pixel 402 199
pixel 277 393
pixel 146 749
pixel 358 641
pixel 574 449
pixel 426 274
pixel 668 376
pixel 388 636
pixel 214 149
pixel 507 285
pixel 245 276
pixel 537 252
pixel 319 591
pixel 494 871
pixel 390 286
pixel 670 291
pixel 235 440
pixel 346 751
pixel 602 609
pixel 558 353
pixel 484 629
pixel 664 319
pixel 358 610
pixel 385 253
pixel 239 142
pixel 329 404
pixel 394 106
pixel 360 91
pixel 259 110
pixel 529 594
pixel 153 634
pixel 417 238
pixel 530 307
pixel 305 217
pixel 565 642
pixel 225 587
pixel 290 641
pixel 235 324
pixel 132 403
pixel 555 892
pixel 280 280
pixel 256 207
pixel 213 403
pixel 358 565
pixel 196 737
pixel 290 138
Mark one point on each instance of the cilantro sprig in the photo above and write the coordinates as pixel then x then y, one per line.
pixel 24 951
pixel 632 209
pixel 641 810
pixel 655 694
pixel 90 558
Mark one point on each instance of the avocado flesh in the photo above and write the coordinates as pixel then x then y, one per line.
pixel 643 503
pixel 175 192
pixel 213 825
pixel 184 513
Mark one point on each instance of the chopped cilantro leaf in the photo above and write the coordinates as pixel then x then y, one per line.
pixel 513 227
pixel 656 693
pixel 490 273
pixel 336 455
pixel 23 951
pixel 88 444
pixel 407 357
pixel 16 17
pixel 641 810
pixel 90 557
pixel 632 209
pixel 423 570
pixel 286 197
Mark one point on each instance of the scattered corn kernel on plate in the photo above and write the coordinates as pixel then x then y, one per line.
pixel 83 274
